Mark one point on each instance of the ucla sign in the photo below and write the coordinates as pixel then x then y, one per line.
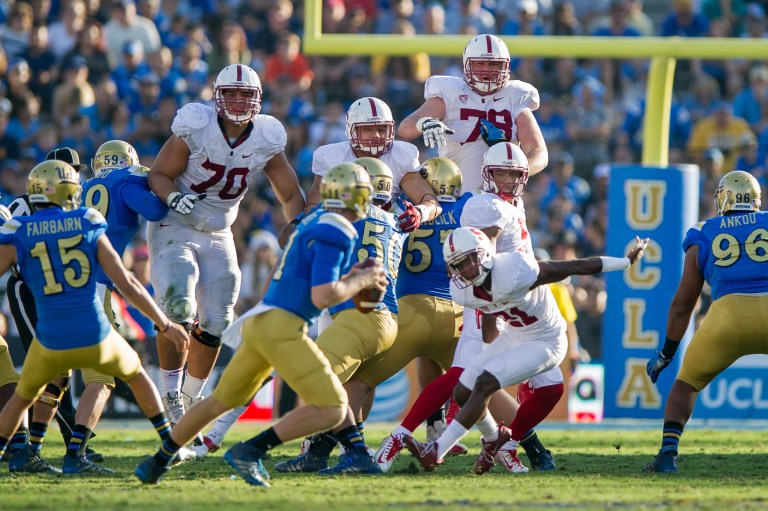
pixel 660 204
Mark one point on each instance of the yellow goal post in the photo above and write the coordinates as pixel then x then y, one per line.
pixel 663 52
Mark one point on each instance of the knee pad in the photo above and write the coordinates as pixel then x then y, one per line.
pixel 206 338
pixel 56 391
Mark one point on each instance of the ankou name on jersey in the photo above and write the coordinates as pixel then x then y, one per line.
pixel 54 226
pixel 737 220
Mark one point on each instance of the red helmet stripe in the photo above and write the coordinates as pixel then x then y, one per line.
pixel 239 73
pixel 450 242
pixel 373 107
pixel 509 151
pixel 488 44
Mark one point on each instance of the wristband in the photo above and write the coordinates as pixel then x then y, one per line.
pixel 670 348
pixel 165 328
pixel 299 218
pixel 423 212
pixel 615 263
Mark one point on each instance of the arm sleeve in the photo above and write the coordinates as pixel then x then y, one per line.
pixel 139 198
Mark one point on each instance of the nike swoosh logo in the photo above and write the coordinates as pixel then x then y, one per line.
pixel 164 225
pixel 496 99
pixel 248 155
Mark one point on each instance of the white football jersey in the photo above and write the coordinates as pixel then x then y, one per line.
pixel 219 170
pixel 511 298
pixel 487 209
pixel 402 158
pixel 463 110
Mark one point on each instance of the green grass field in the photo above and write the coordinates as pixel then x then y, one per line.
pixel 597 469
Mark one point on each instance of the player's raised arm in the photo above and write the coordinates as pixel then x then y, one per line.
pixel 285 183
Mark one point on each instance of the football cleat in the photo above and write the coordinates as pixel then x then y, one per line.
pixel 425 453
pixel 184 454
pixel 387 453
pixel 542 461
pixel 353 461
pixel 485 461
pixel 305 445
pixel 246 460
pixel 208 447
pixel 663 463
pixel 26 460
pixel 174 406
pixel 508 458
pixel 149 472
pixel 93 455
pixel 307 462
pixel 82 465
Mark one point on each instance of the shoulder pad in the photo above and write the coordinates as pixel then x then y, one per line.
pixel 139 170
pixel 94 216
pixel 191 116
pixel 339 222
pixel 699 226
pixel 10 226
pixel 437 86
pixel 272 130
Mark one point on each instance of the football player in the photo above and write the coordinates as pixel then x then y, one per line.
pixel 370 130
pixel 56 400
pixel 58 249
pixel 119 191
pixel 307 279
pixel 508 286
pixel 727 252
pixel 202 173
pixel 352 339
pixel 463 117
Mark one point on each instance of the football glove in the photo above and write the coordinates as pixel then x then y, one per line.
pixel 491 133
pixel 183 203
pixel 433 132
pixel 656 364
pixel 411 218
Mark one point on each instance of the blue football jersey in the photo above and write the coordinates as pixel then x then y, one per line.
pixel 121 196
pixel 422 270
pixel 380 238
pixel 733 252
pixel 57 254
pixel 315 254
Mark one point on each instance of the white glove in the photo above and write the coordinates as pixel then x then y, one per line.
pixel 433 131
pixel 183 203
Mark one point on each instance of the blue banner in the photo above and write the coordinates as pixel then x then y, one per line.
pixel 660 204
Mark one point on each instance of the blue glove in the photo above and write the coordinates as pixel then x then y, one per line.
pixel 656 365
pixel 491 133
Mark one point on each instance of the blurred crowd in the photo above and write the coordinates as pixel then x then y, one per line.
pixel 79 72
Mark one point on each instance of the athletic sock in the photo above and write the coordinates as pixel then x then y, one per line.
pixel 535 409
pixel 265 440
pixel 350 438
pixel 488 427
pixel 167 452
pixel 450 437
pixel 670 438
pixel 432 398
pixel 531 443
pixel 80 436
pixel 161 424
pixel 19 439
pixel 3 445
pixel 322 444
pixel 361 429
pixel 171 380
pixel 192 387
pixel 224 423
pixel 37 432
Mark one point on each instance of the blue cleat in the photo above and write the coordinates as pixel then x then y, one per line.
pixel 663 463
pixel 26 460
pixel 353 461
pixel 82 465
pixel 542 461
pixel 305 462
pixel 149 472
pixel 246 460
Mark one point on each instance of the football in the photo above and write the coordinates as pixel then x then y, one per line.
pixel 368 299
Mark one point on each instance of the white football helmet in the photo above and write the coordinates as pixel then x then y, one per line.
pixel 505 156
pixel 366 112
pixel 486 48
pixel 239 110
pixel 468 255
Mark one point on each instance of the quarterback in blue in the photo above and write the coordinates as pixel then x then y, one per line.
pixel 729 253
pixel 273 334
pixel 353 337
pixel 119 191
pixel 59 247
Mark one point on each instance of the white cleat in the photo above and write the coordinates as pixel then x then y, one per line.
pixel 509 460
pixel 387 453
pixel 208 447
